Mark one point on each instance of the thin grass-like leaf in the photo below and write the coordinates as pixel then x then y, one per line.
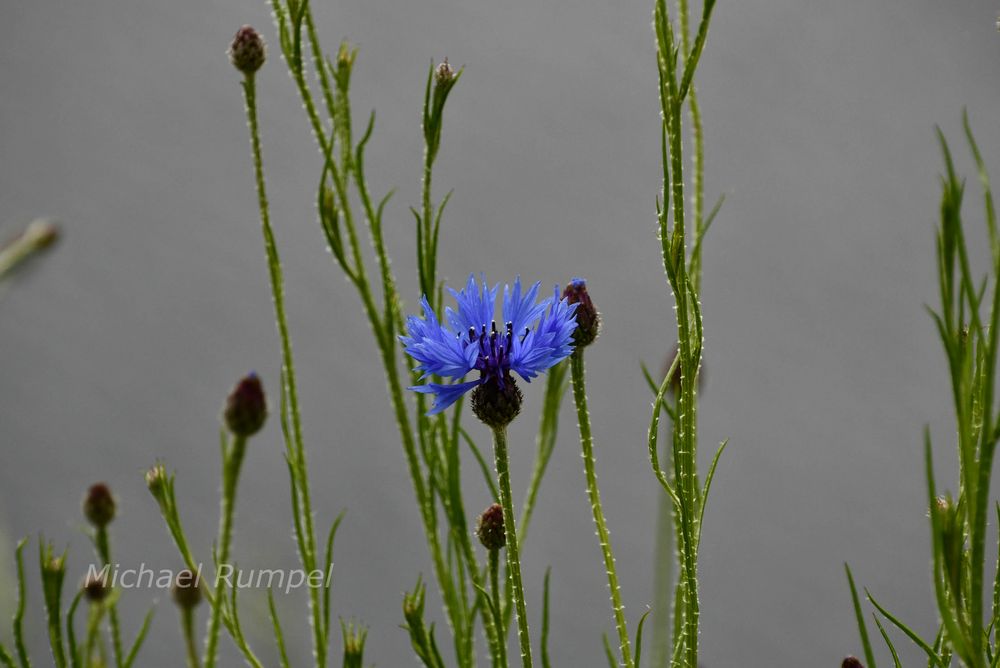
pixel 279 636
pixel 910 633
pixel 638 638
pixel 888 641
pixel 866 644
pixel 140 638
pixel 612 661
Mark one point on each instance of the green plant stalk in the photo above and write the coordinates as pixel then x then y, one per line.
pixel 103 542
pixel 663 582
pixel 93 632
pixel 500 660
pixel 297 455
pixel 675 265
pixel 386 341
pixel 233 462
pixel 187 628
pixel 510 531
pixel 594 495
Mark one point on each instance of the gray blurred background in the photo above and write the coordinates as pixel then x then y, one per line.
pixel 125 121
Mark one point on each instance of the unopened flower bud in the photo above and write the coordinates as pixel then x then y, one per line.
pixel 851 662
pixel 246 407
pixel 490 530
pixel 187 589
pixel 354 644
pixel 156 480
pixel 588 320
pixel 99 505
pixel 497 406
pixel 444 73
pixel 96 588
pixel 247 52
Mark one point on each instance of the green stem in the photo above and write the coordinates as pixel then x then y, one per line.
pixel 187 627
pixel 663 582
pixel 510 530
pixel 296 449
pixel 594 495
pixel 230 479
pixel 500 660
pixel 104 551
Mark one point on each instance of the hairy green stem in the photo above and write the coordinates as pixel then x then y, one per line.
pixel 103 542
pixel 296 449
pixel 190 644
pixel 594 495
pixel 500 660
pixel 233 462
pixel 510 531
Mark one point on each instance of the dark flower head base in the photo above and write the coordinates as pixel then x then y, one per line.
pixel 534 336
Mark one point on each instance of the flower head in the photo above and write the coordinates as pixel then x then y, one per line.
pixel 534 336
pixel 99 505
pixel 588 320
pixel 247 51
pixel 246 407
pixel 490 529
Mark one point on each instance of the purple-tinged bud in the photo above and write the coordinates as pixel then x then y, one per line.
pixel 99 505
pixel 851 662
pixel 588 320
pixel 496 406
pixel 490 530
pixel 247 53
pixel 96 588
pixel 444 73
pixel 187 589
pixel 246 407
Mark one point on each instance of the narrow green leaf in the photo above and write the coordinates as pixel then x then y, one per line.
pixel 279 637
pixel 612 661
pixel 638 639
pixel 140 638
pixel 888 641
pixel 912 635
pixel 860 616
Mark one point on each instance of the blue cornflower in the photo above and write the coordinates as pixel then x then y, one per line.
pixel 533 337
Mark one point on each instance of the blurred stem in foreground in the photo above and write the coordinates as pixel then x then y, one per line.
pixel 39 235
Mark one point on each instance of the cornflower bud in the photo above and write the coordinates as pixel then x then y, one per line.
pixel 588 320
pixel 490 528
pixel 444 73
pixel 99 505
pixel 246 407
pixel 186 591
pixel 247 52
pixel 496 406
pixel 156 480
pixel 851 662
pixel 96 588
pixel 354 644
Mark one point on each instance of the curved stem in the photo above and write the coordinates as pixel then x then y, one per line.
pixel 594 494
pixel 510 530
